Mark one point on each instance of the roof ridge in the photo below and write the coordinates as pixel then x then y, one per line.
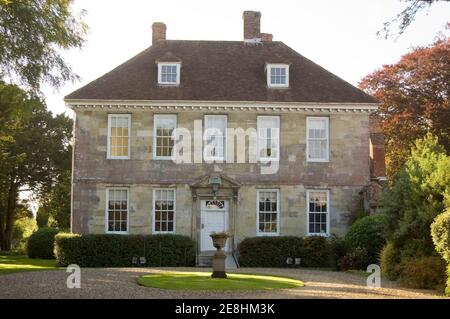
pixel 193 40
pixel 221 71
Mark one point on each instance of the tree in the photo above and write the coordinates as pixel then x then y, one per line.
pixel 22 230
pixel 23 210
pixel 34 150
pixel 440 230
pixel 414 95
pixel 55 208
pixel 32 34
pixel 404 19
pixel 419 192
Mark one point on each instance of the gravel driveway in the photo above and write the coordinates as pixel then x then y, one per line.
pixel 121 283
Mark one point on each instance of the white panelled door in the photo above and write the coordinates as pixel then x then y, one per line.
pixel 214 218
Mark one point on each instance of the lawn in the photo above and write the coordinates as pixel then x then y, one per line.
pixel 203 281
pixel 18 263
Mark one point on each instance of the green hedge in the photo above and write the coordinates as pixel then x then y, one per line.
pixel 274 251
pixel 118 250
pixel 316 252
pixel 41 243
pixel 269 251
pixel 367 233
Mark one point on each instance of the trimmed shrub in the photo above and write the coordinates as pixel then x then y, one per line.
pixel 390 261
pixel 355 259
pixel 423 272
pixel 269 251
pixel 317 252
pixel 108 250
pixel 447 287
pixel 41 243
pixel 367 233
pixel 338 248
pixel 440 231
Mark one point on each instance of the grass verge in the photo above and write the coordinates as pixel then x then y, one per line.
pixel 203 281
pixel 18 263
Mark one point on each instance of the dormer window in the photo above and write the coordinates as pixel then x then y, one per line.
pixel 169 73
pixel 278 75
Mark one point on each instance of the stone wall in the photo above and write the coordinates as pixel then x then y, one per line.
pixel 344 175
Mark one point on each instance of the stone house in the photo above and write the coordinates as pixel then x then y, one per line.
pixel 298 156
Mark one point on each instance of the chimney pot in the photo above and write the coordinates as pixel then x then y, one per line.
pixel 252 25
pixel 266 37
pixel 158 32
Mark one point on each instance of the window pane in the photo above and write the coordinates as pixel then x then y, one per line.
pixel 317 138
pixel 268 136
pixel 261 227
pixel 278 75
pixel 268 211
pixel 164 126
pixel 117 210
pixel 168 74
pixel 118 136
pixel 318 212
pixel 164 209
pixel 215 136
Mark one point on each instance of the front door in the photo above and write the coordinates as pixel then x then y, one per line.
pixel 214 218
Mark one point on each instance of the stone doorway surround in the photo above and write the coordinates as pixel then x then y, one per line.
pixel 209 187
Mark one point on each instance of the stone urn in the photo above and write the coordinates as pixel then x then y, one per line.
pixel 219 242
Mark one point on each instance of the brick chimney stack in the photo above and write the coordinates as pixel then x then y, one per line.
pixel 252 26
pixel 266 37
pixel 158 32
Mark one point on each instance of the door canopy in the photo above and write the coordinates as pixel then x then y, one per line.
pixel 215 186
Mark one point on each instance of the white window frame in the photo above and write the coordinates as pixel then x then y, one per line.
pixel 108 146
pixel 216 158
pixel 259 233
pixel 269 68
pixel 154 231
pixel 107 208
pixel 327 134
pixel 327 234
pixel 178 67
pixel 155 117
pixel 262 158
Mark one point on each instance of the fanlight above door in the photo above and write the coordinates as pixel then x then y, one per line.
pixel 215 204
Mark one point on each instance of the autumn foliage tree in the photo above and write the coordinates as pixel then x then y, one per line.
pixel 414 96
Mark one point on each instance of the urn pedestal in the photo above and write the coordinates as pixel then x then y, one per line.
pixel 219 241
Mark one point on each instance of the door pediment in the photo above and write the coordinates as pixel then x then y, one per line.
pixel 221 180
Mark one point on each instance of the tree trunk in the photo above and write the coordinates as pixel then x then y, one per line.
pixel 2 233
pixel 12 200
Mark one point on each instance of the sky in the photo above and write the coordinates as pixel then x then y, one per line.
pixel 338 35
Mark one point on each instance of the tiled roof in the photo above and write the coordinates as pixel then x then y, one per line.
pixel 221 71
